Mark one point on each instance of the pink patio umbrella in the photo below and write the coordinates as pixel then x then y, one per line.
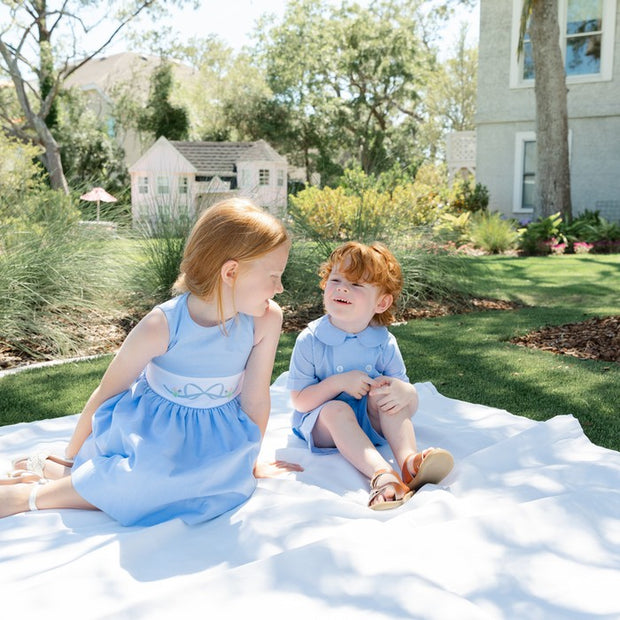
pixel 99 195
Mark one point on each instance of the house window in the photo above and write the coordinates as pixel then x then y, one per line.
pixel 528 195
pixel 163 185
pixel 143 185
pixel 263 176
pixel 586 40
pixel 183 185
pixel 525 173
pixel 584 34
pixel 280 178
pixel 524 197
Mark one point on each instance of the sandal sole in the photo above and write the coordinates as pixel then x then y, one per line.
pixel 433 469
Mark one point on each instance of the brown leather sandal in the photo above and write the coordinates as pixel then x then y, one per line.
pixel 430 466
pixel 377 489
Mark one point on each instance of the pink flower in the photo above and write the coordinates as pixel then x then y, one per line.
pixel 581 247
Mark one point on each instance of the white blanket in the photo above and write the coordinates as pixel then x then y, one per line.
pixel 527 525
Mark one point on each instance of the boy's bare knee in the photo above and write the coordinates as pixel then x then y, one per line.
pixel 336 410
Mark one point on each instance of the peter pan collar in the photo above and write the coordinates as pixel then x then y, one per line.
pixel 324 331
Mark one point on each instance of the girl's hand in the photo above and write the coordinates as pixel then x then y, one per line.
pixel 392 395
pixel 276 468
pixel 355 383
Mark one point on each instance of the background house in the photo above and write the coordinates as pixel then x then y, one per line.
pixel 106 78
pixel 193 175
pixel 505 121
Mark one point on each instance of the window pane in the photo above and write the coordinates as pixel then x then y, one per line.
pixel 528 60
pixel 529 157
pixel 584 24
pixel 529 192
pixel 163 185
pixel 583 55
pixel 584 16
pixel 528 199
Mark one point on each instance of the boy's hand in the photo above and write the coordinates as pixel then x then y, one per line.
pixel 356 383
pixel 393 395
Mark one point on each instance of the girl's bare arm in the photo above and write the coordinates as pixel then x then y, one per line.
pixel 255 397
pixel 148 339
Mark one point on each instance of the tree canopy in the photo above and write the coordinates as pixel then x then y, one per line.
pixel 41 43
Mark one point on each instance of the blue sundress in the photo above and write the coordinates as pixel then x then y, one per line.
pixel 176 444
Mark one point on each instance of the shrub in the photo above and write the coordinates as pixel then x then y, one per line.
pixel 493 234
pixel 582 227
pixel 162 240
pixel 20 174
pixel 53 275
pixel 605 236
pixel 430 273
pixel 453 228
pixel 301 276
pixel 363 208
pixel 466 195
pixel 538 237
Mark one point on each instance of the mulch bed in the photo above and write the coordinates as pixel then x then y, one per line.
pixel 594 339
pixel 597 338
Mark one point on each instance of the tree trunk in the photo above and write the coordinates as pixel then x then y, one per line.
pixel 51 157
pixel 553 171
pixel 53 164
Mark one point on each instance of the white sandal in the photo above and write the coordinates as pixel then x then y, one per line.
pixel 32 498
pixel 34 466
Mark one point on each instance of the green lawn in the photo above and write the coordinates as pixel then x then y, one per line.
pixel 465 356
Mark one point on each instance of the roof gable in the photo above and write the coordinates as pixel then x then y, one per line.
pixel 220 158
pixel 163 155
pixel 262 151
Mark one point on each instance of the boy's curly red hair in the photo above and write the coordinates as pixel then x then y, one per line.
pixel 374 264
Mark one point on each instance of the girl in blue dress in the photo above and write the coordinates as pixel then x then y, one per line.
pixel 348 381
pixel 175 426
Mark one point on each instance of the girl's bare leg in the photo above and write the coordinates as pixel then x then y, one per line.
pixel 54 494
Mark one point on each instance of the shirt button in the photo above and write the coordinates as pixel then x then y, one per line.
pixel 368 367
pixel 339 368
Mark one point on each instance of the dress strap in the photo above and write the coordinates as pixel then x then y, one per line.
pixel 198 392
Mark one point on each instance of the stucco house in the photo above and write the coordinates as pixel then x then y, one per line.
pixel 505 121
pixel 193 175
pixel 105 78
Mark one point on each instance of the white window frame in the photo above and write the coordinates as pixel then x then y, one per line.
pixel 521 137
pixel 607 46
pixel 183 186
pixel 143 184
pixel 280 178
pixel 163 186
pixel 264 177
